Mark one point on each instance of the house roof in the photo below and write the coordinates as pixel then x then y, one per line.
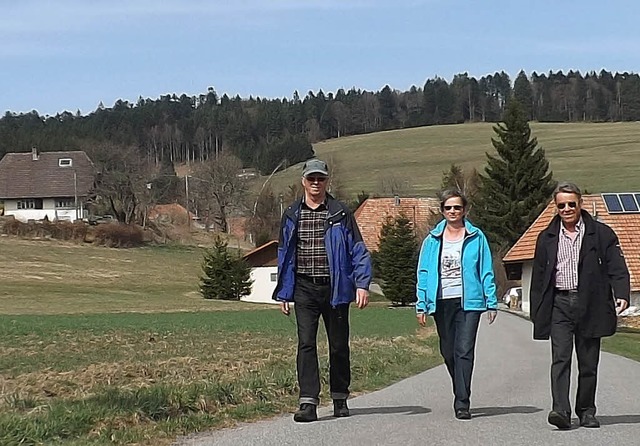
pixel 265 255
pixel 22 176
pixel 373 212
pixel 626 226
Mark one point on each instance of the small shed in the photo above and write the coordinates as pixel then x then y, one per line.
pixel 264 272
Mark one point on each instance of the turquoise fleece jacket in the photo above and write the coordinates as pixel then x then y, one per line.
pixel 478 281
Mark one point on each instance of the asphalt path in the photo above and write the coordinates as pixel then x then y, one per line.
pixel 510 401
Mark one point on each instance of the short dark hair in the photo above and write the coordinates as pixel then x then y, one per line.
pixel 565 187
pixel 452 193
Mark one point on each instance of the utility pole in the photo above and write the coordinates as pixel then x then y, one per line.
pixel 75 192
pixel 186 189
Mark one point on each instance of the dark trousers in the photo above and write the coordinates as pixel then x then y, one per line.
pixel 312 301
pixel 457 330
pixel 564 332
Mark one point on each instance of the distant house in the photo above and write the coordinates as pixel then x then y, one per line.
pixel 54 185
pixel 615 210
pixel 373 213
pixel 264 272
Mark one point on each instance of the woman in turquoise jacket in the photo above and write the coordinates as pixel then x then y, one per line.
pixel 456 285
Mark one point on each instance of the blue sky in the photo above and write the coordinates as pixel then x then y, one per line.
pixel 72 54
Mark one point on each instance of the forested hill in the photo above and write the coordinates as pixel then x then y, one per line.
pixel 265 132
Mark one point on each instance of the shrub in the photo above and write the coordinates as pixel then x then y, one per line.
pixel 226 276
pixel 61 230
pixel 118 235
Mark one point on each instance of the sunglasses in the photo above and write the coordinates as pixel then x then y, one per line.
pixel 455 207
pixel 571 204
pixel 316 179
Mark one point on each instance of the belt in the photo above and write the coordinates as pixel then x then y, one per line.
pixel 566 292
pixel 317 280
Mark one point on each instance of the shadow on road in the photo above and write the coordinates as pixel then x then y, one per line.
pixel 619 419
pixel 493 411
pixel 406 410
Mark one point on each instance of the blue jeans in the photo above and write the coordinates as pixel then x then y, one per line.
pixel 457 330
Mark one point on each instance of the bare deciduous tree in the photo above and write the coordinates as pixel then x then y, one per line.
pixel 218 188
pixel 393 185
pixel 121 181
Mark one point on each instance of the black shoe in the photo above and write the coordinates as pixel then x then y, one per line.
pixel 589 421
pixel 340 408
pixel 559 419
pixel 463 414
pixel 306 413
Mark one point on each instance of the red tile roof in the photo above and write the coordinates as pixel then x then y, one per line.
pixel 21 176
pixel 626 226
pixel 372 214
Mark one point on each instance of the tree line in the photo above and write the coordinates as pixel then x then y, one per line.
pixel 265 133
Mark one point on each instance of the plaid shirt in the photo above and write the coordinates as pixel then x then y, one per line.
pixel 568 256
pixel 312 255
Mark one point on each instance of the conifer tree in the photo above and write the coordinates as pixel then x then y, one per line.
pixel 517 183
pixel 226 276
pixel 397 260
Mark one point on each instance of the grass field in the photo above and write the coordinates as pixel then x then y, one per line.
pixel 50 277
pixel 598 157
pixel 146 378
pixel 103 346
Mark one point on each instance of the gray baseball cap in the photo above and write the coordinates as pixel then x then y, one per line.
pixel 315 166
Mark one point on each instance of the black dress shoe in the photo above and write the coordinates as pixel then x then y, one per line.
pixel 340 408
pixel 463 414
pixel 306 413
pixel 559 419
pixel 589 421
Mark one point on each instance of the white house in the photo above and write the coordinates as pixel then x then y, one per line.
pixel 264 272
pixel 619 211
pixel 54 185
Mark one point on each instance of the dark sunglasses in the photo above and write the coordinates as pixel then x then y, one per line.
pixel 571 204
pixel 455 207
pixel 316 179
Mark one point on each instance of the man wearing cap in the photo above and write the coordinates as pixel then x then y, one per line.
pixel 323 266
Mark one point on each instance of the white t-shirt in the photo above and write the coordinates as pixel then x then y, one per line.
pixel 450 273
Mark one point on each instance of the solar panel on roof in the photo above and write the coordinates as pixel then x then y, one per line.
pixel 613 203
pixel 637 198
pixel 628 203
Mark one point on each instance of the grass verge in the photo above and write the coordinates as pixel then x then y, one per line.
pixel 147 378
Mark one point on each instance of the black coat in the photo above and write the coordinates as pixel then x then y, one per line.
pixel 602 277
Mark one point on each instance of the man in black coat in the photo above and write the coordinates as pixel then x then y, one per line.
pixel 580 283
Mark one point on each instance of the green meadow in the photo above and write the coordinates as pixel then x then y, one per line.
pixel 598 157
pixel 104 346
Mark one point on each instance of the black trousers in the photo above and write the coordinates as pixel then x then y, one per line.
pixel 457 330
pixel 564 332
pixel 312 301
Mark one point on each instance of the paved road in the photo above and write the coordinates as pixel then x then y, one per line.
pixel 510 401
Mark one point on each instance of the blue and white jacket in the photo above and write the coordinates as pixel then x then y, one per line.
pixel 349 259
pixel 478 283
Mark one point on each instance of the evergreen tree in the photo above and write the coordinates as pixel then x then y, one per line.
pixel 523 93
pixel 397 260
pixel 517 184
pixel 226 276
